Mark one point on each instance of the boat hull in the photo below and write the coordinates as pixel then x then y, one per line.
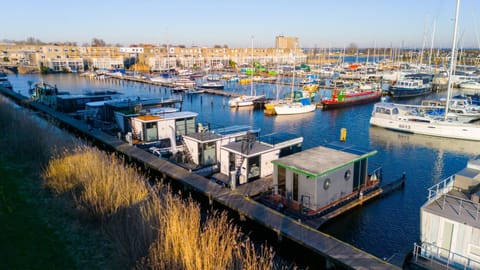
pixel 438 129
pixel 288 109
pixel 409 92
pixel 332 104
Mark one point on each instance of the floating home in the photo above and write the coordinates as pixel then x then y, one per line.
pixel 450 222
pixel 122 110
pixel 74 103
pixel 319 180
pixel 250 159
pixel 166 129
pixel 203 148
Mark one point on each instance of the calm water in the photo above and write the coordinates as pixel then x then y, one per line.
pixel 385 227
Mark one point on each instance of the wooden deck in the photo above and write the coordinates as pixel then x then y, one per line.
pixel 323 244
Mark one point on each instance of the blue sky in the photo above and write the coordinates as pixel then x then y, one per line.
pixel 320 23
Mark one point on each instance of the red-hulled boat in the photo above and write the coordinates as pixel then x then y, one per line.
pixel 347 98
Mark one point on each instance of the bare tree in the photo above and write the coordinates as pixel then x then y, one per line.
pixel 96 42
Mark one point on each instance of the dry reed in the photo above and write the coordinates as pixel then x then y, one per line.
pixel 101 182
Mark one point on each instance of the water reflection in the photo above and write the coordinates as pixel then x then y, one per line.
pixel 389 139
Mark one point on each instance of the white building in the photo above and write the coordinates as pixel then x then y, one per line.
pixel 450 222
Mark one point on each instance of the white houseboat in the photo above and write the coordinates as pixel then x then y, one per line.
pixel 202 148
pixel 450 223
pixel 250 159
pixel 152 129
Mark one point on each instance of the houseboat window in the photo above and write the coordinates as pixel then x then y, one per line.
pixel 295 186
pixel 290 150
pixel 348 174
pixel 151 132
pixel 326 183
pixel 281 180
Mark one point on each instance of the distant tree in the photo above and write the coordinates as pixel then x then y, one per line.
pixel 85 45
pixel 225 46
pixel 352 48
pixel 181 46
pixel 96 42
pixel 32 40
pixel 232 64
pixel 217 46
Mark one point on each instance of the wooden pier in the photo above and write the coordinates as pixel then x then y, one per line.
pixel 334 250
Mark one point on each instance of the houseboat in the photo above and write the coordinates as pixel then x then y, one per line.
pixel 322 182
pixel 450 223
pixel 251 159
pixel 154 130
pixel 121 111
pixel 4 83
pixel 74 103
pixel 202 149
pixel 347 98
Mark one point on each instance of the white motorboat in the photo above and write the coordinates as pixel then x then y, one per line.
pixel 412 119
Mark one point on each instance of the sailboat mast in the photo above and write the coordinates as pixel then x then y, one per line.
pixel 452 59
pixel 293 75
pixel 251 73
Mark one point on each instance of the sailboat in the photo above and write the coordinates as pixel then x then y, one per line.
pixel 298 102
pixel 416 119
pixel 244 101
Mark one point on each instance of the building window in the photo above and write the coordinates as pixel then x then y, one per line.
pixel 326 183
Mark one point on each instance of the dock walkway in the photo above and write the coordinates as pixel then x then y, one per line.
pixel 323 244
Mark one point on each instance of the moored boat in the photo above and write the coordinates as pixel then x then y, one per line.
pixel 341 99
pixel 410 87
pixel 412 119
pixel 213 85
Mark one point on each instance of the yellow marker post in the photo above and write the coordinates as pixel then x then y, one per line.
pixel 343 134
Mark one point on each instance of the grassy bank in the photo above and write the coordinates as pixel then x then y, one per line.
pixel 26 242
pixel 87 209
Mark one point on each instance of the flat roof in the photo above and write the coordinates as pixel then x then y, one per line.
pixel 241 148
pixel 320 160
pixel 203 137
pixel 167 116
pixel 456 206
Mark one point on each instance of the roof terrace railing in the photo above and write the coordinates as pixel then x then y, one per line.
pixel 441 256
pixel 440 192
pixel 441 188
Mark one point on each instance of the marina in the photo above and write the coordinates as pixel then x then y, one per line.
pixel 253 137
pixel 209 106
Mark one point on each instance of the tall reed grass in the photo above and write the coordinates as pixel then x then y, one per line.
pixel 149 227
pixel 101 182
